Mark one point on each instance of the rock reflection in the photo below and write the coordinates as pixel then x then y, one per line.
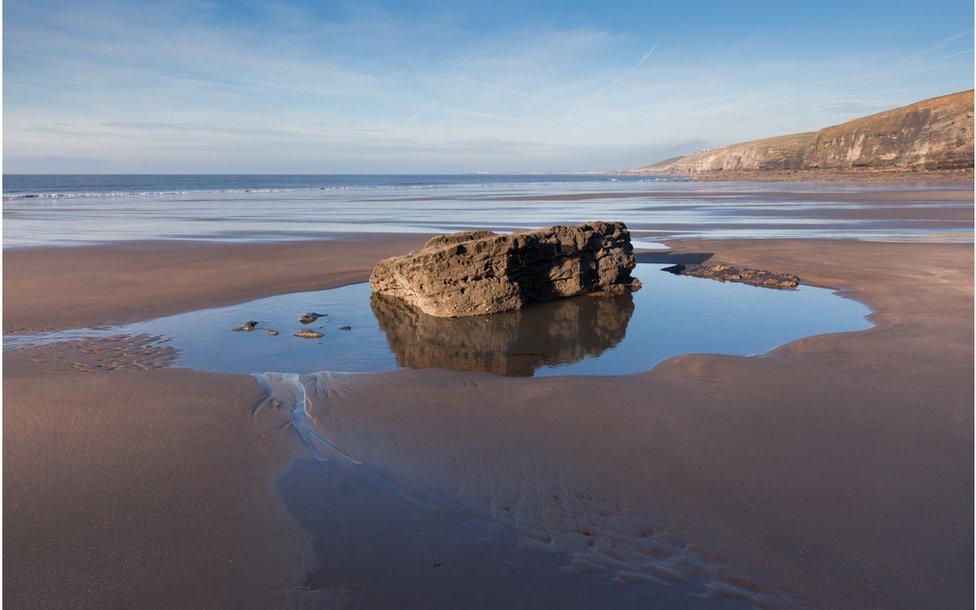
pixel 513 343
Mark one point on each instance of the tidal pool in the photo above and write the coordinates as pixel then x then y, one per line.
pixel 669 316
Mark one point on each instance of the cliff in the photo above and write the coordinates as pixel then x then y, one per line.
pixel 931 135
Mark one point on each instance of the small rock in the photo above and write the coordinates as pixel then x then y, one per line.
pixel 744 275
pixel 247 326
pixel 272 332
pixel 310 317
pixel 309 334
pixel 345 328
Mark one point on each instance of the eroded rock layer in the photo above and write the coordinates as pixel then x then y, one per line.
pixel 743 275
pixel 931 135
pixel 480 272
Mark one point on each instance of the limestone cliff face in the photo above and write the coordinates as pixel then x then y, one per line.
pixel 934 134
pixel 782 152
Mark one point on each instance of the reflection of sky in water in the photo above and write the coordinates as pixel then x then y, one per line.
pixel 919 235
pixel 302 213
pixel 670 316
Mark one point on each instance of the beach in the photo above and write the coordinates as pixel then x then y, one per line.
pixel 832 471
pixel 437 306
pixel 828 175
pixel 308 208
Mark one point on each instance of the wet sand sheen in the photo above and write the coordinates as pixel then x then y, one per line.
pixel 803 475
pixel 679 209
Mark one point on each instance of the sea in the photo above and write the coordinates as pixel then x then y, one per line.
pixel 74 209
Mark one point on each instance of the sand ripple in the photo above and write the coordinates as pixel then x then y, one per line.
pixel 556 508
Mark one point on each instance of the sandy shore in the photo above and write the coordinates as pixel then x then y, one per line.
pixel 887 195
pixel 834 472
pixel 829 175
pixel 47 289
pixel 940 206
pixel 133 488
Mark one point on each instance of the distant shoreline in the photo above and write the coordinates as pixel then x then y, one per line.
pixel 930 137
pixel 964 176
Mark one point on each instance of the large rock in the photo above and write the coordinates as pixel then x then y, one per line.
pixel 480 272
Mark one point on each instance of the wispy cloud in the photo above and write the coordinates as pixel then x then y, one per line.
pixel 425 110
pixel 956 54
pixel 945 42
pixel 855 107
pixel 624 75
pixel 501 88
pixel 189 86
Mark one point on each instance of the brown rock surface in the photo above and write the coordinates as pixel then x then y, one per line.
pixel 480 272
pixel 931 135
pixel 743 275
pixel 309 334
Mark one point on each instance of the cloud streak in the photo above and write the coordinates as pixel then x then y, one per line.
pixel 945 42
pixel 956 54
pixel 182 86
pixel 624 75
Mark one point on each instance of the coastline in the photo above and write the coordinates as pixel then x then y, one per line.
pixel 667 209
pixel 488 306
pixel 827 443
pixel 880 176
pixel 923 197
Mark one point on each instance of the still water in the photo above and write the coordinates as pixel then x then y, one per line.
pixel 669 316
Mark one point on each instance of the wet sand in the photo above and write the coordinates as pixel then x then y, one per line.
pixel 881 196
pixel 688 209
pixel 836 471
pixel 54 288
pixel 937 213
pixel 132 488
pixel 880 176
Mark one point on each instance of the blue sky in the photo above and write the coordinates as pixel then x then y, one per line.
pixel 409 87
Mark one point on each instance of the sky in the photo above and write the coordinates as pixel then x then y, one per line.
pixel 430 87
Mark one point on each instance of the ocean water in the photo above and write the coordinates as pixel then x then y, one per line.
pixel 669 316
pixel 62 210
pixel 68 186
